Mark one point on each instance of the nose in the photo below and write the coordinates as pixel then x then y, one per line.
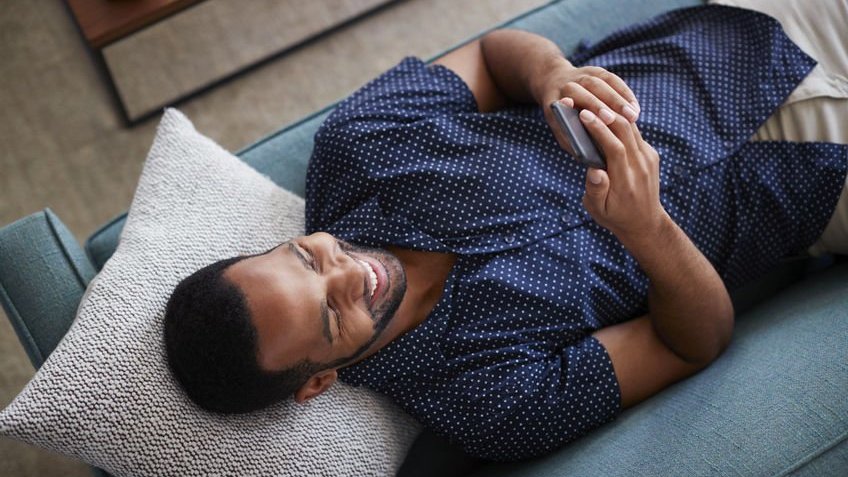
pixel 343 274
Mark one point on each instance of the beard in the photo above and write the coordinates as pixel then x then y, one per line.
pixel 395 290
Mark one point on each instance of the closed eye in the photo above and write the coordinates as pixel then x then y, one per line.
pixel 337 315
pixel 310 259
pixel 308 263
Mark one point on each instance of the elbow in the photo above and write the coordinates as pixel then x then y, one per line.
pixel 498 32
pixel 714 342
pixel 489 38
pixel 724 328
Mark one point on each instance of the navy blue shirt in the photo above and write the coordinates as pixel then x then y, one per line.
pixel 505 365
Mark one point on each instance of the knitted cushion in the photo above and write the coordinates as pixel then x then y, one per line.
pixel 106 395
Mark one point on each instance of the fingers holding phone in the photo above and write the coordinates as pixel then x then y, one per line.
pixel 625 197
pixel 582 146
pixel 603 93
pixel 586 87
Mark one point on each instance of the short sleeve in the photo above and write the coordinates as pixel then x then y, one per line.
pixel 408 92
pixel 526 409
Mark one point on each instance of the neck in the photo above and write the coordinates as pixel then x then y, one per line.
pixel 426 273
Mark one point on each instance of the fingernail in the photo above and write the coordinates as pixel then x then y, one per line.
pixel 606 115
pixel 567 101
pixel 595 176
pixel 636 106
pixel 629 113
pixel 587 116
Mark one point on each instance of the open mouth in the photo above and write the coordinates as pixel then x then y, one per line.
pixel 371 277
pixel 376 277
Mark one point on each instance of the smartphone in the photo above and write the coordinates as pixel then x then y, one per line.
pixel 585 148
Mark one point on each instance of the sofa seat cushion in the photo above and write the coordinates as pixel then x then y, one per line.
pixel 772 404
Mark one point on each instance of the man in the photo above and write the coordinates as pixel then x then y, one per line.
pixel 450 263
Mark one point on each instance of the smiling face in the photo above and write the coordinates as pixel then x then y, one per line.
pixel 319 299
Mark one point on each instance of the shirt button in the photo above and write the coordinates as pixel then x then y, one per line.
pixel 729 144
pixel 509 238
pixel 678 170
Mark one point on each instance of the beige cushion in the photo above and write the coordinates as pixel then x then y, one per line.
pixel 817 110
pixel 106 396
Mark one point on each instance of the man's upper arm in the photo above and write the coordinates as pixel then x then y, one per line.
pixel 469 64
pixel 643 364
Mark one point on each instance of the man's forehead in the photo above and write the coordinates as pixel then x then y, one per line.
pixel 257 266
pixel 280 298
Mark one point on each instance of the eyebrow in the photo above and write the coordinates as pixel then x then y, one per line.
pixel 325 315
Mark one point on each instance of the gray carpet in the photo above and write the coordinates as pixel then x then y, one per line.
pixel 63 145
pixel 212 40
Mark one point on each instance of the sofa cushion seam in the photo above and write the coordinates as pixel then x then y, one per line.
pixel 89 243
pixel 20 326
pixel 812 455
pixel 63 247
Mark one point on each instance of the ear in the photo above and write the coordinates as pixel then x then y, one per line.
pixel 317 384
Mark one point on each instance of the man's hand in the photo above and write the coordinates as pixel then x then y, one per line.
pixel 626 198
pixel 690 310
pixel 587 87
pixel 517 67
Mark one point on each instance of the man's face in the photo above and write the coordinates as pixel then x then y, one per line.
pixel 311 298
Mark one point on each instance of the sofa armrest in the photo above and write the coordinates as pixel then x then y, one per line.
pixel 43 275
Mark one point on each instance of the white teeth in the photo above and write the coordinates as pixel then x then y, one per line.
pixel 371 275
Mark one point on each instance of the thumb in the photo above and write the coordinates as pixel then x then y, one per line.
pixel 597 187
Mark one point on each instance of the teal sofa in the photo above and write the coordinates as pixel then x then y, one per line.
pixel 775 403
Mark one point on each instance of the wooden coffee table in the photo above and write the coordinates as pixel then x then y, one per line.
pixel 151 57
pixel 105 21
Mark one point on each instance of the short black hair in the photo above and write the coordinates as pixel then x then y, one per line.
pixel 212 349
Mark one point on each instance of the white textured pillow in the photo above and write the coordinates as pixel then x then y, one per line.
pixel 106 396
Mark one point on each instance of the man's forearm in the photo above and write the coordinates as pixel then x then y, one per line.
pixel 689 304
pixel 516 60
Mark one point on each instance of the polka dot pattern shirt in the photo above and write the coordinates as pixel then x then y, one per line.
pixel 505 365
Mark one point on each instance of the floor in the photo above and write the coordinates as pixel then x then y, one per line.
pixel 63 143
